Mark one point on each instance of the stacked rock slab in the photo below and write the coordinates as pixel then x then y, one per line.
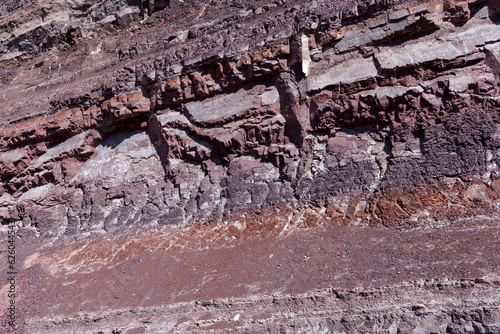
pixel 412 101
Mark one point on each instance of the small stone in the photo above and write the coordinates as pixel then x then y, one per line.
pixel 398 14
pixel 460 13
pixel 376 22
pixel 177 68
pixel 419 8
pixel 352 42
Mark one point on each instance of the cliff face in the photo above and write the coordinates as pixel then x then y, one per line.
pixel 392 120
pixel 275 124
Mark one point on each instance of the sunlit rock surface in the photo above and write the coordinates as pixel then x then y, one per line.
pixel 227 166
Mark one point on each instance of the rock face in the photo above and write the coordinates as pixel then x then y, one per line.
pixel 412 101
pixel 121 115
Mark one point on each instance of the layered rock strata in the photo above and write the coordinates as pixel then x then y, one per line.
pixel 145 114
pixel 342 117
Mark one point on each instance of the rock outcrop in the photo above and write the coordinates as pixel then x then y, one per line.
pixel 125 115
pixel 408 97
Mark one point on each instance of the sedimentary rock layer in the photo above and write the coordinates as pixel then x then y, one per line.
pixel 408 97
pixel 126 115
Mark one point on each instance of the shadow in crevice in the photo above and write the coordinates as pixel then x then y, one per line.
pixel 115 139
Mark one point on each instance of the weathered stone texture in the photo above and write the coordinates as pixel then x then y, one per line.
pixel 377 117
pixel 345 73
pixel 191 113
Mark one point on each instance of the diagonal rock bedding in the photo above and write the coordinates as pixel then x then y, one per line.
pixel 229 166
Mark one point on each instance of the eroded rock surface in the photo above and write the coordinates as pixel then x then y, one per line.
pixel 127 115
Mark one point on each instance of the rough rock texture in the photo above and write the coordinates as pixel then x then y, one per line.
pixel 382 116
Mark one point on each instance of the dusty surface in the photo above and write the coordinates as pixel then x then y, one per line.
pixel 277 277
